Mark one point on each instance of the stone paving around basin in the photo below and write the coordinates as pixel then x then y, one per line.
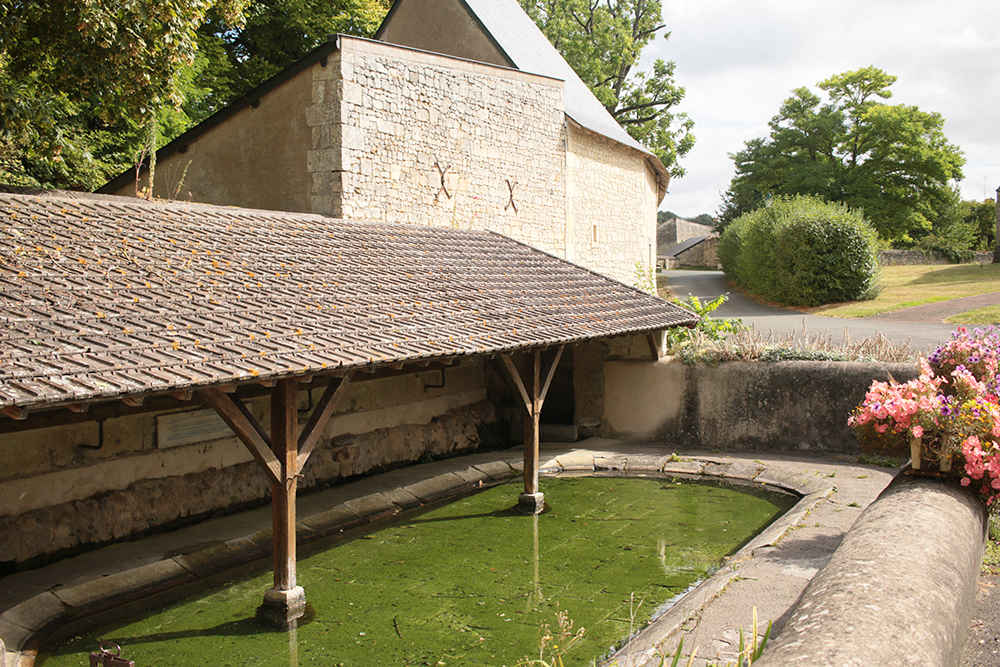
pixel 769 573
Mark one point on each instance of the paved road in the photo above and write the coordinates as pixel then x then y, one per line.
pixel 923 336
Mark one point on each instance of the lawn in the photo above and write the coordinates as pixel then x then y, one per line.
pixel 906 286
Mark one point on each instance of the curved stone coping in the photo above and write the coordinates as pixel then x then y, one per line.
pixel 899 589
pixel 64 610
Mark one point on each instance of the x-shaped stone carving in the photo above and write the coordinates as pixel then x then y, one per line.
pixel 510 199
pixel 444 186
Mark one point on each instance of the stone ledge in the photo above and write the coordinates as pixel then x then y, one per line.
pixel 646 645
pixel 899 589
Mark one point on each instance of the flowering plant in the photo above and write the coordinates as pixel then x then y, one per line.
pixel 952 408
pixel 892 414
pixel 978 353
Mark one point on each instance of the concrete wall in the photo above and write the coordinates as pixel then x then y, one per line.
pixel 56 496
pixel 256 159
pixel 427 24
pixel 798 405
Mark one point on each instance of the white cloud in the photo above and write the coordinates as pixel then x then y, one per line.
pixel 739 60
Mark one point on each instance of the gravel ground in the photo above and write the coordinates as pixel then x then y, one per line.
pixel 982 648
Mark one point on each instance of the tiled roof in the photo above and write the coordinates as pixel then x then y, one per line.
pixel 105 297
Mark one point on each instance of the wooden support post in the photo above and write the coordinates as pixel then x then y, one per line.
pixel 653 338
pixel 532 420
pixel 286 601
pixel 532 501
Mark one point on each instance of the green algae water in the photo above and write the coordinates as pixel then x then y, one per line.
pixel 467 583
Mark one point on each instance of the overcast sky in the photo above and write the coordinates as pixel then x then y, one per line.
pixel 740 59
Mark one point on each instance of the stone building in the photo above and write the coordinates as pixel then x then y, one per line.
pixel 675 231
pixel 460 114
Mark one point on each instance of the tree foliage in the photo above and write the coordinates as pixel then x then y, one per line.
pixel 892 161
pixel 72 72
pixel 802 251
pixel 602 40
pixel 82 80
pixel 273 35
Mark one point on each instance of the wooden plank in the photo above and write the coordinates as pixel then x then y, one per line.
pixel 244 430
pixel 251 418
pixel 516 379
pixel 530 453
pixel 531 425
pixel 284 445
pixel 548 379
pixel 319 418
pixel 15 412
pixel 654 346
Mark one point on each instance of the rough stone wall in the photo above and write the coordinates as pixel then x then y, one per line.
pixel 151 503
pixel 612 206
pixel 917 257
pixel 406 136
pixel 55 494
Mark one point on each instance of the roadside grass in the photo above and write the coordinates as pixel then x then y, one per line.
pixel 991 559
pixel 907 286
pixel 988 315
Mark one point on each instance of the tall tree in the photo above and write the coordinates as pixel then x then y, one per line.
pixel 602 40
pixel 892 161
pixel 273 35
pixel 82 81
pixel 73 71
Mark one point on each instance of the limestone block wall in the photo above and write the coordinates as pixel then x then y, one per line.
pixel 56 496
pixel 406 136
pixel 705 254
pixel 612 200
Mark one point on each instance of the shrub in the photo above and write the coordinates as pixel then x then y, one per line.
pixel 802 252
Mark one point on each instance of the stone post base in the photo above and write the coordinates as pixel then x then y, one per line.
pixel 531 503
pixel 282 608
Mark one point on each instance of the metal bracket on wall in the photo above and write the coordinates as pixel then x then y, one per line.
pixel 444 186
pixel 510 198
pixel 100 438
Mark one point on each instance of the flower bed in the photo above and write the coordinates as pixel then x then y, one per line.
pixel 950 412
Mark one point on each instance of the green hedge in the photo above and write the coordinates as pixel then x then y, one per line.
pixel 802 252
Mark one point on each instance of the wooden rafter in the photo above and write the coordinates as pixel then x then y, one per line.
pixel 246 431
pixel 319 418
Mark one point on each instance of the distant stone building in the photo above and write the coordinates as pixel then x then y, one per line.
pixel 697 252
pixel 671 232
pixel 461 114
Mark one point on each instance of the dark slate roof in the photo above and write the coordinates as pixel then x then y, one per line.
pixel 105 297
pixel 673 251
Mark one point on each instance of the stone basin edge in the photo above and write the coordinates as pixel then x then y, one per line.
pixel 66 610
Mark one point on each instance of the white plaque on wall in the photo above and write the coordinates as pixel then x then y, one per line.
pixel 186 428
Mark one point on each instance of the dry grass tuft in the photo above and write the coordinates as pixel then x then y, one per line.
pixel 749 344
